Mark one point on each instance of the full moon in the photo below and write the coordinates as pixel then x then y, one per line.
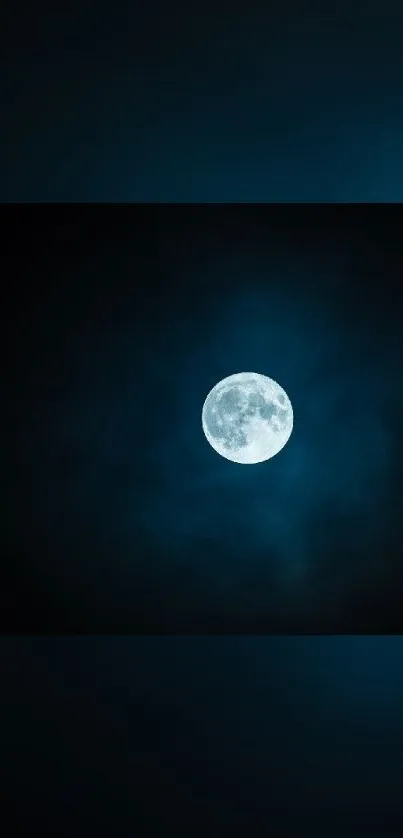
pixel 247 417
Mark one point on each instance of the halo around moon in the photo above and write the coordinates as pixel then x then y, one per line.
pixel 247 417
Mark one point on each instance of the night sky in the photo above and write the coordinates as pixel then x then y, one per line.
pixel 116 515
pixel 193 736
pixel 202 101
pixel 119 515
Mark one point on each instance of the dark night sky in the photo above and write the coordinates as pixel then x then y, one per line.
pixel 232 736
pixel 195 736
pixel 119 514
pixel 202 101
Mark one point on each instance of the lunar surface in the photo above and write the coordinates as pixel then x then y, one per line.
pixel 247 417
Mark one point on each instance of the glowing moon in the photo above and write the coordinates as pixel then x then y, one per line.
pixel 247 417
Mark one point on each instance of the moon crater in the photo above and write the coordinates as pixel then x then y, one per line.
pixel 247 418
